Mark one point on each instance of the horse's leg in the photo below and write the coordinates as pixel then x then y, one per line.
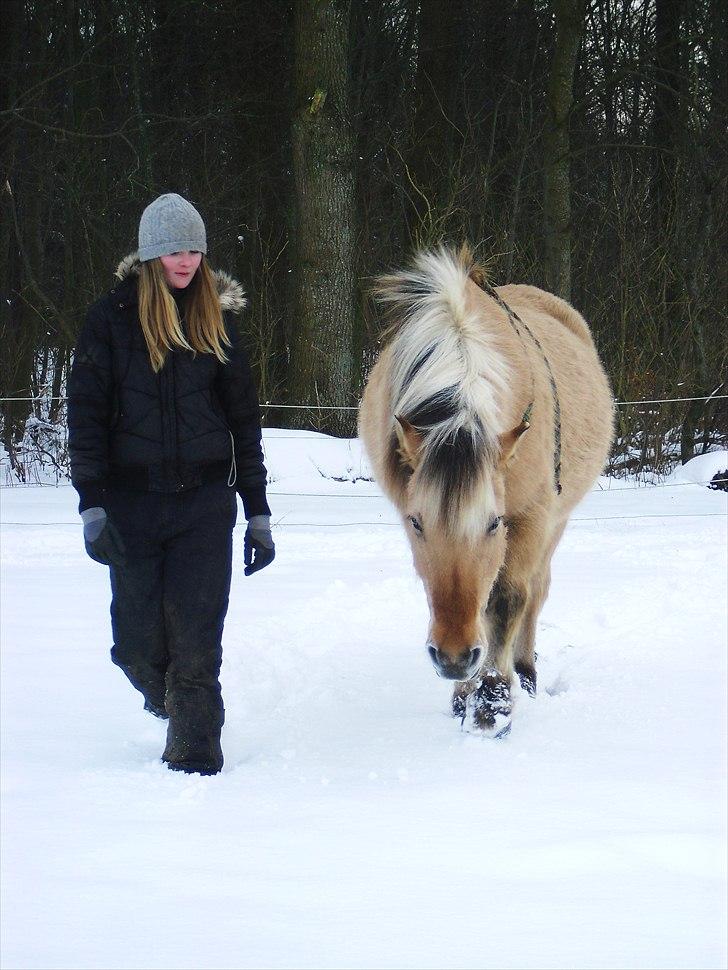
pixel 524 652
pixel 488 698
pixel 524 655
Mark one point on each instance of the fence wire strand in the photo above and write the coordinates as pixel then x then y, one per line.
pixel 355 407
pixel 280 524
pixel 314 436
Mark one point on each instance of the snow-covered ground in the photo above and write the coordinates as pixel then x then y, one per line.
pixel 354 824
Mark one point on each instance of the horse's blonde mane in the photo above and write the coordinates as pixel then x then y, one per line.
pixel 446 378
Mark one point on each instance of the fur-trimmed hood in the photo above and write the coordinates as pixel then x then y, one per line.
pixel 230 292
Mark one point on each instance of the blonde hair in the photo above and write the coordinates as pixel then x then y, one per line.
pixel 161 325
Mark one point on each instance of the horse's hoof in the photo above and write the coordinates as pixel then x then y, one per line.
pixel 484 706
pixel 487 710
pixel 527 676
pixel 461 692
pixel 459 706
pixel 487 724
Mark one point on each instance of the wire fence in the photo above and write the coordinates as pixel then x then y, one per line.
pixel 41 458
pixel 355 407
pixel 718 481
pixel 280 523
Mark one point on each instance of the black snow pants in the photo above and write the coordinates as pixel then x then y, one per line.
pixel 169 600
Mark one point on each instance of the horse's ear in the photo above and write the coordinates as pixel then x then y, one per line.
pixel 509 441
pixel 409 441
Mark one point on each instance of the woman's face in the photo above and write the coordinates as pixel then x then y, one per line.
pixel 179 268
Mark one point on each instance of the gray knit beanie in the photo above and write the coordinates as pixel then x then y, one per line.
pixel 170 224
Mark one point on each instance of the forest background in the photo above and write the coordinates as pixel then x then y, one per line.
pixel 577 145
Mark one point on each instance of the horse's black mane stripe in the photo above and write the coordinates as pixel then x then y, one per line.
pixel 413 289
pixel 454 465
pixel 453 462
pixel 436 409
pixel 417 365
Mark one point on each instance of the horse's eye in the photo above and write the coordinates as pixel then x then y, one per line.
pixel 416 524
pixel 493 526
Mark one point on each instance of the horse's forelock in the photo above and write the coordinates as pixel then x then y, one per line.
pixel 455 473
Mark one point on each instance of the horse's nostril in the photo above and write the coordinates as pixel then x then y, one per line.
pixel 433 653
pixel 475 655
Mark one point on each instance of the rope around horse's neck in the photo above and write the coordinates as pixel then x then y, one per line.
pixel 514 321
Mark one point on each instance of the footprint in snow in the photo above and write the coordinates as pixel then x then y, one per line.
pixel 557 686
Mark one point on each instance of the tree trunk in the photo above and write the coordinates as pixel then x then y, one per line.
pixel 569 20
pixel 321 365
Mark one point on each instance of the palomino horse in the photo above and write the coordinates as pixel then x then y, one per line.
pixel 486 418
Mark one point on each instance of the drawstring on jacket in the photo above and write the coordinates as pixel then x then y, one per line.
pixel 233 476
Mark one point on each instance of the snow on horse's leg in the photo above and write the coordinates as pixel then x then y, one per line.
pixel 488 709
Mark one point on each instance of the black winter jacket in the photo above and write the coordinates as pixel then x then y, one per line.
pixel 168 431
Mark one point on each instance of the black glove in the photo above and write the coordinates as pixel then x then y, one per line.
pixel 260 550
pixel 101 538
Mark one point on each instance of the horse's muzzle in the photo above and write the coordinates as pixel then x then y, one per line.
pixel 462 667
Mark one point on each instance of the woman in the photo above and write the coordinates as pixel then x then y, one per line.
pixel 163 422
